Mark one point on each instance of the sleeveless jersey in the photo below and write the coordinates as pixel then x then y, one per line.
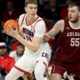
pixel 37 28
pixel 69 45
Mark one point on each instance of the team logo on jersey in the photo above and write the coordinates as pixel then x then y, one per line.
pixel 73 34
pixel 28 32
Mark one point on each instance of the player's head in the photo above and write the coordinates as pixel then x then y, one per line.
pixel 31 7
pixel 74 12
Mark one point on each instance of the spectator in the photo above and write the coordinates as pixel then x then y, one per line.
pixel 14 45
pixel 16 54
pixel 41 5
pixel 6 62
pixel 64 11
pixel 9 13
pixel 52 13
pixel 2 6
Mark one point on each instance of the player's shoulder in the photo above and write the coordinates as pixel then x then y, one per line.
pixel 60 21
pixel 40 20
pixel 59 25
pixel 22 15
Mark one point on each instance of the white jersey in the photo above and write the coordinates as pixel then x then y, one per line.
pixel 37 28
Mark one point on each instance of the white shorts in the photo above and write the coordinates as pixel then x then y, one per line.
pixel 27 63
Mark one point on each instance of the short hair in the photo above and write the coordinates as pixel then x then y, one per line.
pixel 74 4
pixel 30 2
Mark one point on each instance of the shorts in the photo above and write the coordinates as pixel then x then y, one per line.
pixel 27 63
pixel 61 68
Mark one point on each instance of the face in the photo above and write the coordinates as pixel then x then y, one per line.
pixel 20 50
pixel 73 14
pixel 31 9
pixel 3 51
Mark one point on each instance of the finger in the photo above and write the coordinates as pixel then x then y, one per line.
pixel 7 32
pixel 10 28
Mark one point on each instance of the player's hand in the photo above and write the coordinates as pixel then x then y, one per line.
pixel 12 32
pixel 46 37
pixel 69 76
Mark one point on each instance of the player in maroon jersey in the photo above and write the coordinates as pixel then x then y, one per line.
pixel 67 57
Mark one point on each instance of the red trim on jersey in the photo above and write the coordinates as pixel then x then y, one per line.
pixel 36 23
pixel 22 70
pixel 32 22
pixel 23 19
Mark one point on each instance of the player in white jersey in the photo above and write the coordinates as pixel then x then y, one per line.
pixel 37 52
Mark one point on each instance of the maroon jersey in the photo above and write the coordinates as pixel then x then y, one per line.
pixel 69 45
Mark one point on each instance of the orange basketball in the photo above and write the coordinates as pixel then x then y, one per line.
pixel 10 23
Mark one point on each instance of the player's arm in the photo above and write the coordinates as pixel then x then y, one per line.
pixel 21 33
pixel 58 27
pixel 37 39
pixel 34 45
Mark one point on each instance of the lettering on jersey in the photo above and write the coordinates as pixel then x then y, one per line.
pixel 45 55
pixel 75 42
pixel 69 34
pixel 28 32
pixel 74 38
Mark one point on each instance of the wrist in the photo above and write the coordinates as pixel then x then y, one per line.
pixel 49 34
pixel 17 36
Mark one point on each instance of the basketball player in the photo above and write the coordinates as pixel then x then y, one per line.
pixel 37 52
pixel 67 57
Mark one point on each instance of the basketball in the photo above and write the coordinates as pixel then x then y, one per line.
pixel 10 23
